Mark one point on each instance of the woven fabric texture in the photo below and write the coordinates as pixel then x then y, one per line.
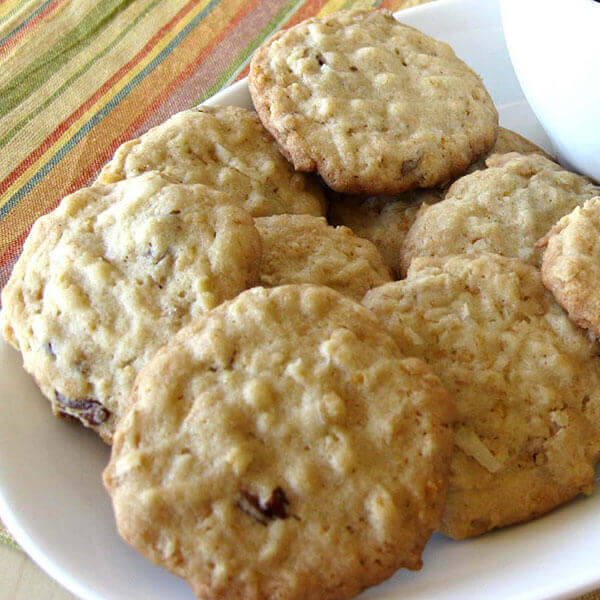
pixel 79 77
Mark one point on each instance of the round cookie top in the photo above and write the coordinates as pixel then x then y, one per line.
pixel 282 446
pixel 571 264
pixel 525 380
pixel 372 105
pixel 383 220
pixel 225 148
pixel 504 209
pixel 305 249
pixel 110 275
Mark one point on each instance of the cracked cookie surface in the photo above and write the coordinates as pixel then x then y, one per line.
pixel 305 249
pixel 571 264
pixel 106 278
pixel 526 382
pixel 504 209
pixel 370 104
pixel 227 149
pixel 282 446
pixel 385 220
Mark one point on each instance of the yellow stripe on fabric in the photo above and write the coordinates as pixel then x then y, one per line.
pixel 242 59
pixel 68 45
pixel 117 124
pixel 48 100
pixel 23 29
pixel 68 16
pixel 120 50
pixel 360 4
pixel 331 6
pixel 32 169
pixel 36 130
pixel 335 5
pixel 11 8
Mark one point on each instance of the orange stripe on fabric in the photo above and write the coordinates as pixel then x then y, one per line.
pixel 395 5
pixel 87 157
pixel 185 74
pixel 307 10
pixel 30 26
pixel 159 99
pixel 60 129
pixel 15 247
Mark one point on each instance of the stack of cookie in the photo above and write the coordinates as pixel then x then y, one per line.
pixel 286 420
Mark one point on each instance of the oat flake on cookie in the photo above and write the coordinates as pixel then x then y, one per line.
pixel 370 104
pixel 110 275
pixel 282 447
pixel 526 382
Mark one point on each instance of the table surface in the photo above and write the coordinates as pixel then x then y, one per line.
pixel 77 78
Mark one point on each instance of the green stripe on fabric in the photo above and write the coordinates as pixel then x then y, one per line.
pixel 28 80
pixel 240 61
pixel 14 10
pixel 106 109
pixel 350 3
pixel 84 69
pixel 5 538
pixel 23 24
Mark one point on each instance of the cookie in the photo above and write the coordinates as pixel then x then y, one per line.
pixel 504 209
pixel 225 148
pixel 372 105
pixel 282 447
pixel 304 249
pixel 383 220
pixel 571 264
pixel 110 275
pixel 526 383
pixel 509 141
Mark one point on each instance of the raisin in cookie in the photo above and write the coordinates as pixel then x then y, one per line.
pixel 226 148
pixel 526 383
pixel 372 105
pixel 504 209
pixel 110 275
pixel 571 264
pixel 304 249
pixel 282 447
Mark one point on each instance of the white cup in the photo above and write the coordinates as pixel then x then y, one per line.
pixel 554 46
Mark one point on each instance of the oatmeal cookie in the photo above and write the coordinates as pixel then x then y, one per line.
pixel 282 447
pixel 509 141
pixel 526 382
pixel 503 209
pixel 110 275
pixel 370 104
pixel 304 249
pixel 571 264
pixel 227 149
pixel 383 220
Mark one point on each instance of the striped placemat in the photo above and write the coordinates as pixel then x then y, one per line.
pixel 78 77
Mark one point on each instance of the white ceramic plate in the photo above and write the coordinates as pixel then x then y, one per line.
pixel 52 500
